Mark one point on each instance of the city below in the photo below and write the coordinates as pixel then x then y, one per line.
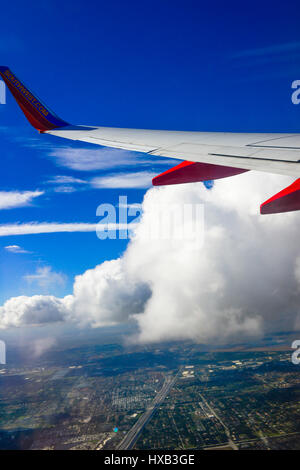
pixel 165 396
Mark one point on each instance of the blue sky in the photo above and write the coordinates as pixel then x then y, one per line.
pixel 222 66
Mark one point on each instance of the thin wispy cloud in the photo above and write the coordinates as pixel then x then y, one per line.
pixel 15 249
pixel 142 179
pixel 91 159
pixel 273 49
pixel 101 158
pixel 83 159
pixel 65 189
pixel 63 179
pixel 35 228
pixel 270 62
pixel 13 199
pixel 41 345
pixel 45 277
pixel 44 227
pixel 67 184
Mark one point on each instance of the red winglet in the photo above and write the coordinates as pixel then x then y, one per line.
pixel 191 172
pixel 287 200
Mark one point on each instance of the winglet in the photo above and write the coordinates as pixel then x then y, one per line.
pixel 37 113
pixel 287 200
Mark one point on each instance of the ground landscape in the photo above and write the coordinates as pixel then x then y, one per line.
pixel 166 396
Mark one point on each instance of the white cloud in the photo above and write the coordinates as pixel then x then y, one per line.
pixel 35 310
pixel 90 159
pixel 108 295
pixel 45 277
pixel 141 179
pixel 103 158
pixel 242 283
pixel 65 189
pixel 67 184
pixel 35 228
pixel 40 346
pixel 12 199
pixel 63 179
pixel 44 227
pixel 15 249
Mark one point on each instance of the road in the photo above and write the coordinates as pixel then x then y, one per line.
pixel 133 434
pixel 230 441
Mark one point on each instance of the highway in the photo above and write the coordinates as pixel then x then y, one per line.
pixel 133 434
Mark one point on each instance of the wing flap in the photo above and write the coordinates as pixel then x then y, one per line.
pixel 268 160
pixel 286 142
pixel 191 172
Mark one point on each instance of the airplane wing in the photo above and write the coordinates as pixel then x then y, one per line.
pixel 206 155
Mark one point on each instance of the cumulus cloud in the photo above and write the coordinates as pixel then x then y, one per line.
pixel 35 310
pixel 108 295
pixel 12 199
pixel 242 282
